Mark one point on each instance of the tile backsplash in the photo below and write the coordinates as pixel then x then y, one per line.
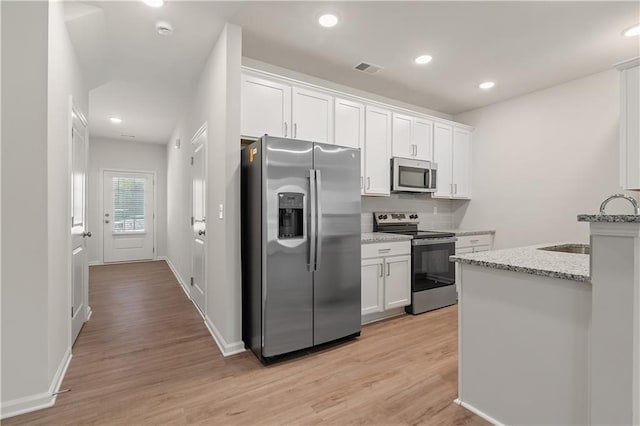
pixel 422 204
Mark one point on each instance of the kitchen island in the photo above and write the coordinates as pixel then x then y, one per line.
pixel 523 335
pixel 553 337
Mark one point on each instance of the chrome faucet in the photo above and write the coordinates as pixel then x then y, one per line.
pixel 632 200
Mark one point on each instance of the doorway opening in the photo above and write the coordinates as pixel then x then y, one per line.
pixel 128 200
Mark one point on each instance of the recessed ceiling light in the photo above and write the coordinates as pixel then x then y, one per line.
pixel 486 85
pixel 164 28
pixel 328 20
pixel 632 31
pixel 153 3
pixel 115 120
pixel 423 59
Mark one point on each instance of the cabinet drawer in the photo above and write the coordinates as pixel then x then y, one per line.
pixel 474 240
pixel 394 248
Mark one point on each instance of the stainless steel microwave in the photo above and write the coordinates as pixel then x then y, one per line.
pixel 408 175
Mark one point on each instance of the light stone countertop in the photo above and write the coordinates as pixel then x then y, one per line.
pixel 530 260
pixel 381 237
pixel 617 218
pixel 463 232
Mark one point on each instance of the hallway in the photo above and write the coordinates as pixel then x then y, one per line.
pixel 146 356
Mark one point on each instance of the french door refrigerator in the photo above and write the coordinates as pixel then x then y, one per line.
pixel 300 245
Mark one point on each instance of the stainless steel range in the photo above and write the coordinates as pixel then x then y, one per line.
pixel 432 274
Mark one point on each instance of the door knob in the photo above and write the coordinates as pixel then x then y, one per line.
pixel 86 234
pixel 201 232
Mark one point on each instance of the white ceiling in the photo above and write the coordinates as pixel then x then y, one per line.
pixel 136 74
pixel 522 46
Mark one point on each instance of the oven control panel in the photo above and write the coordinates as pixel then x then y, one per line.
pixel 388 218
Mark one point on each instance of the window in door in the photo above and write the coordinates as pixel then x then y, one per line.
pixel 128 204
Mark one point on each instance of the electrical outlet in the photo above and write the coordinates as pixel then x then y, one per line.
pixel 435 210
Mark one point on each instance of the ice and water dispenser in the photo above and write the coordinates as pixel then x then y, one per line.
pixel 290 215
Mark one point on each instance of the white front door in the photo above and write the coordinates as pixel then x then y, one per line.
pixel 198 219
pixel 79 262
pixel 128 216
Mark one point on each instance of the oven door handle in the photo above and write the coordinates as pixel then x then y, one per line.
pixel 432 241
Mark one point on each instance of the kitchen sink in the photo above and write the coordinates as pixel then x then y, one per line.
pixel 569 248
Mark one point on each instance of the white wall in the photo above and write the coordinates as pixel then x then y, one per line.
pixel 65 85
pixel 216 102
pixel 40 75
pixel 24 200
pixel 125 155
pixel 543 158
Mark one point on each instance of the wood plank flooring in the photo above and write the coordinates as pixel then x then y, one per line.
pixel 146 357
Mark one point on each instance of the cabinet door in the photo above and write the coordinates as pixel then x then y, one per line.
pixel 442 155
pixel 312 116
pixel 401 142
pixel 397 283
pixel 372 286
pixel 349 129
pixel 266 108
pixel 378 148
pixel 423 139
pixel 461 163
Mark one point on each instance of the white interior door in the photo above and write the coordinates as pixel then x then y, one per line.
pixel 79 262
pixel 128 217
pixel 198 219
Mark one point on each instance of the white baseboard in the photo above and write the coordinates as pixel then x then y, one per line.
pixel 89 313
pixel 39 401
pixel 101 263
pixel 182 283
pixel 227 349
pixel 478 413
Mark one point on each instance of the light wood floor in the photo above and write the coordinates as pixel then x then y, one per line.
pixel 145 357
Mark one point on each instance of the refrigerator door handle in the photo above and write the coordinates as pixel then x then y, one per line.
pixel 318 219
pixel 312 223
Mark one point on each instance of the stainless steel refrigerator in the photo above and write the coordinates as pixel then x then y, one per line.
pixel 300 245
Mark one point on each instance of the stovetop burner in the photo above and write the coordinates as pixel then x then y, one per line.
pixel 404 223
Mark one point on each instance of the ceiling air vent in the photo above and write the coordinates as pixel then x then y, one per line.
pixel 368 68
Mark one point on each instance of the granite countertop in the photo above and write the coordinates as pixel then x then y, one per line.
pixel 530 260
pixel 379 237
pixel 617 218
pixel 463 232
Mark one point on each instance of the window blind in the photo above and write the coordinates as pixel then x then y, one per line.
pixel 128 204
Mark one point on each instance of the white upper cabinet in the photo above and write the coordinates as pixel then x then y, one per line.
pixel 402 144
pixel 452 154
pixel 461 163
pixel 630 124
pixel 423 139
pixel 377 151
pixel 412 137
pixel 349 128
pixel 312 115
pixel 266 107
pixel 281 107
pixel 442 155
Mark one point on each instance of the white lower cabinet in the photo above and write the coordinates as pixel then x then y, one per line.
pixel 474 243
pixel 372 286
pixel 397 281
pixel 386 276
